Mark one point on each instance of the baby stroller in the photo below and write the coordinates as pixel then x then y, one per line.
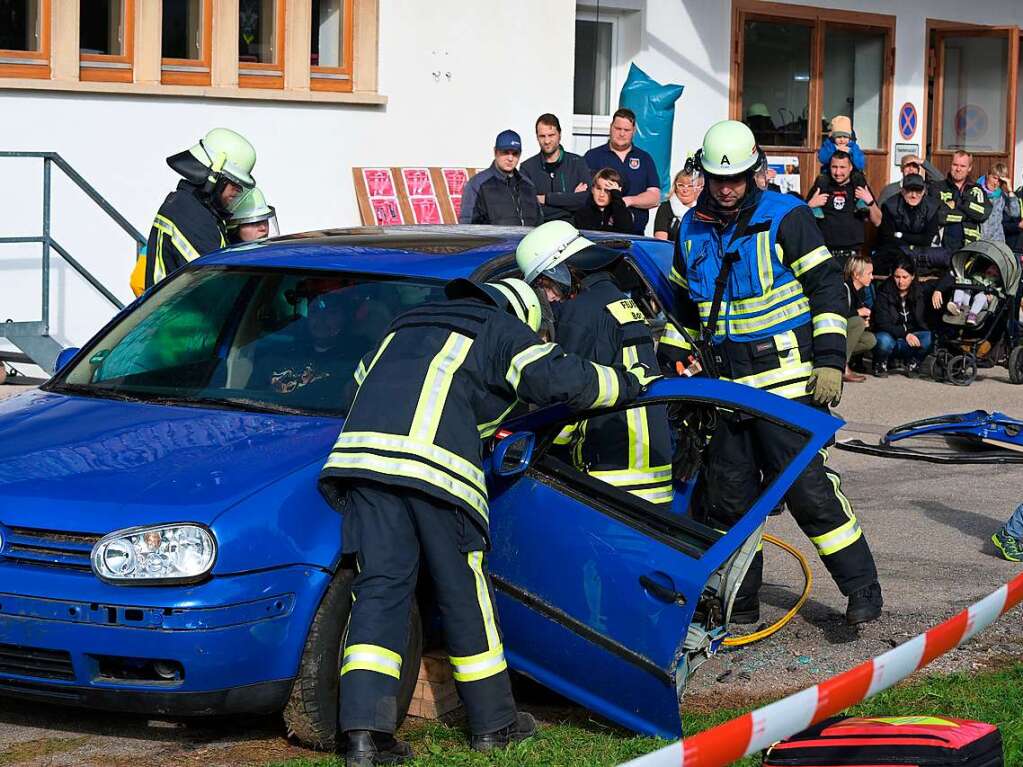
pixel 969 332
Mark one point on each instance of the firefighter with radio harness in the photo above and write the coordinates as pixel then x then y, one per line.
pixel 756 283
pixel 406 473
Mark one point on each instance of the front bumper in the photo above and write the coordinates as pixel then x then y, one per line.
pixel 233 643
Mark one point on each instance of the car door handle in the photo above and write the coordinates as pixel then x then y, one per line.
pixel 660 591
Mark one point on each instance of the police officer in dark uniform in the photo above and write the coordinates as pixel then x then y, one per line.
pixel 752 270
pixel 967 204
pixel 190 223
pixel 630 449
pixel 406 473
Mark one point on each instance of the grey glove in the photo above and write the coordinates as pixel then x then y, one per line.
pixel 826 386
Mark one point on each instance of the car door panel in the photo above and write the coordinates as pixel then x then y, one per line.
pixel 597 601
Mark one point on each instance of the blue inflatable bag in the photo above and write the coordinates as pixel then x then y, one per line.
pixel 654 105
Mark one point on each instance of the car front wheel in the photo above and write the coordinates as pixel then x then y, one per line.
pixel 311 713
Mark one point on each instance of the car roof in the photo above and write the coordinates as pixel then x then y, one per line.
pixel 439 251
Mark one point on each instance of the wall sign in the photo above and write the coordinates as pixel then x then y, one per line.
pixel 901 150
pixel 409 195
pixel 907 121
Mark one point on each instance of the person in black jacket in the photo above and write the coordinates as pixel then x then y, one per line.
pixel 900 320
pixel 605 211
pixel 909 226
pixel 406 472
pixel 190 223
pixel 1012 225
pixel 967 204
pixel 507 198
pixel 842 206
pixel 859 272
pixel 561 178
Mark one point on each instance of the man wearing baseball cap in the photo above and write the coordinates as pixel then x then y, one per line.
pixel 507 151
pixel 911 163
pixel 506 197
pixel 909 225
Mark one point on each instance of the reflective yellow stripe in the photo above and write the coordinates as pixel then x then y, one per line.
pixel 657 495
pixel 472 668
pixel 976 208
pixel 838 539
pixel 178 239
pixel 488 429
pixel 828 322
pixel 764 267
pixel 678 279
pixel 837 484
pixel 793 390
pixel 362 371
pixel 398 443
pixel 636 421
pixel 566 435
pixel 815 257
pixel 623 477
pixel 607 386
pixel 771 319
pixel 769 300
pixel 777 376
pixel 524 359
pixel 409 467
pixel 436 386
pixel 475 560
pixel 672 337
pixel 371 657
pixel 954 218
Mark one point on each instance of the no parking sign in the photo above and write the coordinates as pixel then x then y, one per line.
pixel 907 121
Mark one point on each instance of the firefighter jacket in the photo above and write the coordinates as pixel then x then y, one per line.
pixel 967 210
pixel 631 449
pixel 783 308
pixel 443 379
pixel 185 228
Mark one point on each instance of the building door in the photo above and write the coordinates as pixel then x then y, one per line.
pixel 972 94
pixel 794 68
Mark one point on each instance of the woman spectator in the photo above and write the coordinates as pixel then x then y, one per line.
pixel 900 320
pixel 1012 226
pixel 684 191
pixel 858 340
pixel 1004 203
pixel 606 210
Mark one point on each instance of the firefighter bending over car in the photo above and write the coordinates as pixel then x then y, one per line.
pixel 756 283
pixel 406 474
pixel 630 449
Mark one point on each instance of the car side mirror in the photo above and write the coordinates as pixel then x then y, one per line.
pixel 65 356
pixel 513 454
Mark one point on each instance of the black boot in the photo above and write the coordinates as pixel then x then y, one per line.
pixel 366 749
pixel 880 369
pixel 864 605
pixel 745 615
pixel 524 727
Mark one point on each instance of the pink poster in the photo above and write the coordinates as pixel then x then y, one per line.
pixel 455 180
pixel 418 182
pixel 425 210
pixel 386 211
pixel 456 204
pixel 383 196
pixel 379 182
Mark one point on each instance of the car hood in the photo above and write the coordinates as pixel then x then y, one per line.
pixel 94 465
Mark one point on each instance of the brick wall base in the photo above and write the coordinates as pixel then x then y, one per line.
pixel 435 693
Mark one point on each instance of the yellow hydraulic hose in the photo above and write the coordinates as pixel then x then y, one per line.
pixel 774 627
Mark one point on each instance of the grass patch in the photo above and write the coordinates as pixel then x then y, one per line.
pixel 992 696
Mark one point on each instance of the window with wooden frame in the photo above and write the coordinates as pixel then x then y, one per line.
pixel 25 38
pixel 106 40
pixel 186 42
pixel 331 45
pixel 261 43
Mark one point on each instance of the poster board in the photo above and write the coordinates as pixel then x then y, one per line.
pixel 783 170
pixel 409 195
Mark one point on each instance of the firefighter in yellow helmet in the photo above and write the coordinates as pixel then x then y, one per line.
pixel 190 223
pixel 756 283
pixel 252 218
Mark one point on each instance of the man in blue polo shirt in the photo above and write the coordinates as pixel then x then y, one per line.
pixel 640 183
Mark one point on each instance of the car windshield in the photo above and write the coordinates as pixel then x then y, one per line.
pixel 255 339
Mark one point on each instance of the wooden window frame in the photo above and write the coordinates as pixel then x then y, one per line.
pixel 33 64
pixel 192 71
pixel 338 78
pixel 105 68
pixel 258 75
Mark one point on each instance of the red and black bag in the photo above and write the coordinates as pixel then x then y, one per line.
pixel 910 741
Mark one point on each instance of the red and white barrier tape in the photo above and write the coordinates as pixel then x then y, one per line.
pixel 755 731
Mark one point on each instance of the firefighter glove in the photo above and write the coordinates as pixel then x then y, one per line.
pixel 826 386
pixel 644 375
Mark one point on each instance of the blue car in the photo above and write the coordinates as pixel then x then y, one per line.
pixel 164 548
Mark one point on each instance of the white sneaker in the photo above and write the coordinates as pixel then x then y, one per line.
pixel 953 309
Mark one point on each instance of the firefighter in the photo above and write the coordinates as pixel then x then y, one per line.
pixel 190 223
pixel 252 218
pixel 752 271
pixel 630 449
pixel 406 473
pixel 967 206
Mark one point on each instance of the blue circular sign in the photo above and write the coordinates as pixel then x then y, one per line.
pixel 971 122
pixel 907 121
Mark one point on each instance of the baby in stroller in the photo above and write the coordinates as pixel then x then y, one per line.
pixel 985 289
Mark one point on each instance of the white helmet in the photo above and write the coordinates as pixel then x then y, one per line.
pixel 545 249
pixel 225 152
pixel 729 148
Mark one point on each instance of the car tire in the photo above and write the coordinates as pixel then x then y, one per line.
pixel 311 712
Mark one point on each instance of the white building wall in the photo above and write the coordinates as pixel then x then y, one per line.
pixel 508 63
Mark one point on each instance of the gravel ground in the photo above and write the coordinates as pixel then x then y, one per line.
pixel 929 527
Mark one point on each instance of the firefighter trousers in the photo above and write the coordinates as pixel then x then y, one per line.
pixel 390 532
pixel 744 456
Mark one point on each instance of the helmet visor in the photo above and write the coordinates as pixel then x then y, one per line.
pixel 559 274
pixel 255 228
pixel 594 258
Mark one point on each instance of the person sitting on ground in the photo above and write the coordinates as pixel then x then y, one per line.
pixel 1009 537
pixel 900 321
pixel 1004 202
pixel 909 227
pixel 684 190
pixel 251 218
pixel 606 210
pixel 859 272
pixel 835 198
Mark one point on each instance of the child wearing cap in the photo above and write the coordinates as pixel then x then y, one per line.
pixel 841 137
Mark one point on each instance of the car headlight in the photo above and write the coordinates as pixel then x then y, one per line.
pixel 168 553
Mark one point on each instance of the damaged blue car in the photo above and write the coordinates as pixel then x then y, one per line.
pixel 164 548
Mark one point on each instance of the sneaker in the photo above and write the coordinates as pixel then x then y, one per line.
pixel 880 370
pixel 953 309
pixel 524 727
pixel 864 605
pixel 367 749
pixel 1009 546
pixel 971 318
pixel 912 369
